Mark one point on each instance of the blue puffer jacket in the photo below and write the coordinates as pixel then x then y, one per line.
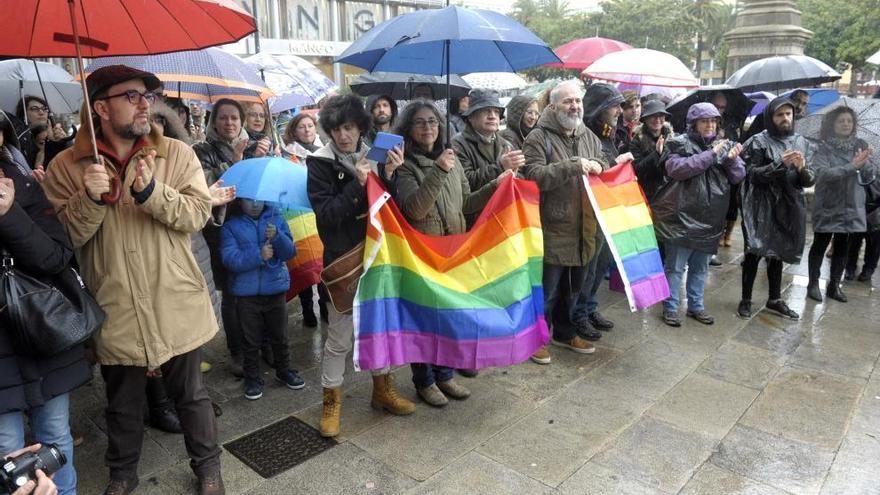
pixel 241 239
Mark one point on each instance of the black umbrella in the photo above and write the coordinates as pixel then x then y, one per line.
pixel 782 72
pixel 738 104
pixel 399 85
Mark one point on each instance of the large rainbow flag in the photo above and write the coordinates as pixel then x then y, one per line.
pixel 305 268
pixel 623 214
pixel 471 300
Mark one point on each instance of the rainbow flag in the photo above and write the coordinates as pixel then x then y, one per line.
pixel 623 214
pixel 471 300
pixel 305 268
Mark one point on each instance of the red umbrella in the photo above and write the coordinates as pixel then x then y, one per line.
pixel 579 54
pixel 102 28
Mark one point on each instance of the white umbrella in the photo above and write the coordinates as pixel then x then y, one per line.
pixel 498 81
pixel 641 66
pixel 295 82
pixel 874 59
pixel 18 77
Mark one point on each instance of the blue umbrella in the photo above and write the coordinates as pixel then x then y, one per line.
pixel 761 99
pixel 271 179
pixel 452 40
pixel 819 97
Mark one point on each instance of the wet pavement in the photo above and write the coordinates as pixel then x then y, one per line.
pixel 760 406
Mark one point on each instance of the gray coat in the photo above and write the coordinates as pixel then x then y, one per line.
pixel 839 205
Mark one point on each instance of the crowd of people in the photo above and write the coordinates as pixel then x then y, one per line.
pixel 172 255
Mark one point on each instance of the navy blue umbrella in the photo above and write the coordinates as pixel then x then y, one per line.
pixel 452 40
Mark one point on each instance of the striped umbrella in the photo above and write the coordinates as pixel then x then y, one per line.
pixel 206 75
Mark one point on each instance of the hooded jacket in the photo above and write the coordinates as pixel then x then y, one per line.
pixel 773 204
pixel 370 136
pixel 136 256
pixel 597 98
pixel 689 210
pixel 553 161
pixel 840 200
pixel 515 134
pixel 480 160
pixel 647 163
pixel 242 239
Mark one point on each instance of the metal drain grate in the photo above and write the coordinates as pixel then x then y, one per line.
pixel 279 446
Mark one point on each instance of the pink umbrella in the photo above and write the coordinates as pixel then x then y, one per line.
pixel 643 67
pixel 579 54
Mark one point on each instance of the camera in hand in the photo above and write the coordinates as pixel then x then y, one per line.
pixel 17 471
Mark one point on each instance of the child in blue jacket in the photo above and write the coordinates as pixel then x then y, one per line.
pixel 255 246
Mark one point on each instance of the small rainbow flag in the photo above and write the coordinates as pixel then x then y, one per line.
pixel 305 268
pixel 470 300
pixel 623 214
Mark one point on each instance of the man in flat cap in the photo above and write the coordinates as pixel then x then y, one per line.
pixel 130 218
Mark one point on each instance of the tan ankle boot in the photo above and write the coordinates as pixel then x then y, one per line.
pixel 331 412
pixel 385 397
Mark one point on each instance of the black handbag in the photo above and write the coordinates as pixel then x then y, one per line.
pixel 46 317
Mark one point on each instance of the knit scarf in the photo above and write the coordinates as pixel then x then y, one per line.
pixel 349 160
pixel 847 144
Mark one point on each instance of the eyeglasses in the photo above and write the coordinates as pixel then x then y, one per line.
pixel 134 96
pixel 40 109
pixel 256 115
pixel 426 123
pixel 160 120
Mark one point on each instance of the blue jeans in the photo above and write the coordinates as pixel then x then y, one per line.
pixel 50 423
pixel 425 375
pixel 697 263
pixel 587 303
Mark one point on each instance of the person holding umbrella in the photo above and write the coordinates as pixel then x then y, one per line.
pixel 336 186
pixel 131 235
pixel 842 168
pixel 483 153
pixel 648 147
pixel 774 212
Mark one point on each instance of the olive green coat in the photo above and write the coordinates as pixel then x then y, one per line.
pixel 480 160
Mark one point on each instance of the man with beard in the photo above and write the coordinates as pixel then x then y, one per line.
pixel 774 209
pixel 602 110
pixel 129 219
pixel 383 110
pixel 558 152
pixel 800 99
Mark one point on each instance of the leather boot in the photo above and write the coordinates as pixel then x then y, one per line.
pixel 833 291
pixel 385 397
pixel 813 291
pixel 162 415
pixel 329 424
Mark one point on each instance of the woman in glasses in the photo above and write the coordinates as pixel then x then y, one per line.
pixel 33 112
pixel 256 123
pixel 434 195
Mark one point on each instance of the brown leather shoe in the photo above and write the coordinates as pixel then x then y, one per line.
pixel 542 355
pixel 211 484
pixel 120 487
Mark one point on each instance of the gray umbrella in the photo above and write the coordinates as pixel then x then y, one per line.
pixel 20 77
pixel 868 116
pixel 399 85
pixel 782 72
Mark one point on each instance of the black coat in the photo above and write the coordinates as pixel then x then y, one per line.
pixel 32 234
pixel 647 163
pixel 339 202
pixel 774 209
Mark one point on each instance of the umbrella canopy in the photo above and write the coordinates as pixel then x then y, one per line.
pixel 761 100
pixel 819 97
pixel 580 54
pixel 294 81
pixel 20 77
pixel 272 179
pixel 537 89
pixel 642 66
pixel 120 27
pixel 666 93
pixel 452 40
pixel 499 81
pixel 399 85
pixel 206 75
pixel 782 72
pixel 867 113
pixel 738 104
pixel 874 59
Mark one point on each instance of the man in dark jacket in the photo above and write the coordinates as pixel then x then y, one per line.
pixel 602 109
pixel 689 209
pixel 628 121
pixel 774 213
pixel 559 152
pixel 649 145
pixel 383 110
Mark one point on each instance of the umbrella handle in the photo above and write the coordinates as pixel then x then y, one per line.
pixel 112 197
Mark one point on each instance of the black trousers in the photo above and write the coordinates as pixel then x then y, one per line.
pixel 838 257
pixel 872 251
pixel 125 414
pixel 750 272
pixel 231 324
pixel 263 318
